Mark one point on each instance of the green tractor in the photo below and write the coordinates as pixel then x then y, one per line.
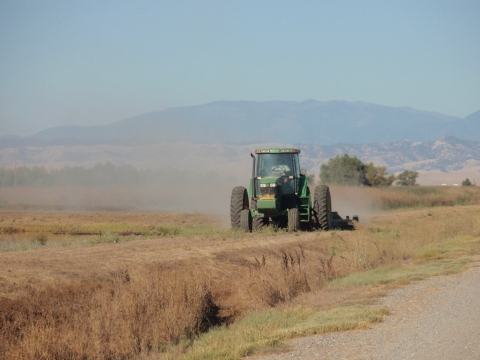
pixel 279 194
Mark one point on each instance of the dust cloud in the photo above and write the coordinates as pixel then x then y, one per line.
pixel 195 179
pixel 352 201
pixel 190 187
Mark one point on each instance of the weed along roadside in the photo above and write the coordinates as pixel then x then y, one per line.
pixel 216 293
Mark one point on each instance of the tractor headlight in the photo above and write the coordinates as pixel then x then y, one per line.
pixel 263 185
pixel 273 185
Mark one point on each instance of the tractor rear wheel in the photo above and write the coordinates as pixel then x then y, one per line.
pixel 293 219
pixel 322 207
pixel 246 220
pixel 238 202
pixel 259 222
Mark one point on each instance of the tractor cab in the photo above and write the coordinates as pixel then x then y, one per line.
pixel 277 164
pixel 277 186
pixel 277 172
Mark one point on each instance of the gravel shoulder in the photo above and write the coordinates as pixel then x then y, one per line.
pixel 437 318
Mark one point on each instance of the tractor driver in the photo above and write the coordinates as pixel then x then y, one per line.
pixel 281 166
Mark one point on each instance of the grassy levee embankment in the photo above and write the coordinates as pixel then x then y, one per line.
pixel 241 293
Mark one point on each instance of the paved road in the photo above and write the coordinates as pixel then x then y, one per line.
pixel 438 318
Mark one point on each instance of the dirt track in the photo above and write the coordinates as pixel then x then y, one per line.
pixel 438 318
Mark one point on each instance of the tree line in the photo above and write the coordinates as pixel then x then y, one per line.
pixel 351 171
pixel 341 170
pixel 104 175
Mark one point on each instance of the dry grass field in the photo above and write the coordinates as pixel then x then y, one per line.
pixel 156 296
pixel 99 222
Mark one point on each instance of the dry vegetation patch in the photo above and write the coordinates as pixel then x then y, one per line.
pixel 99 222
pixel 402 197
pixel 154 297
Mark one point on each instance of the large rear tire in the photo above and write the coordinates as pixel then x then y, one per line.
pixel 293 219
pixel 322 207
pixel 246 220
pixel 238 202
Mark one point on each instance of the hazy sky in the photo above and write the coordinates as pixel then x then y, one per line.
pixel 97 62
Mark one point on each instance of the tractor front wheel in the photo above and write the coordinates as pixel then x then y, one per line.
pixel 259 222
pixel 246 220
pixel 293 219
pixel 238 202
pixel 322 207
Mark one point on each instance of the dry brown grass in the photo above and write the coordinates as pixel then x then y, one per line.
pixel 120 318
pixel 110 313
pixel 396 197
pixel 97 222
pixel 126 300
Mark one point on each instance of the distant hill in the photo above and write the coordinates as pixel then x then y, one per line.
pixel 312 122
pixel 445 155
pixel 219 136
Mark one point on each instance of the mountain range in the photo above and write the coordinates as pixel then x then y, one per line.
pixel 220 136
pixel 307 122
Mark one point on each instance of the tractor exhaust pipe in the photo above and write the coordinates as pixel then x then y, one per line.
pixel 253 177
pixel 253 167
